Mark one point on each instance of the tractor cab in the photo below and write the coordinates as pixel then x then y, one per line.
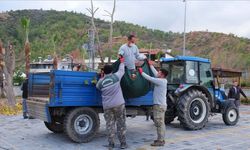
pixel 186 71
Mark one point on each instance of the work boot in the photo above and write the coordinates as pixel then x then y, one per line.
pixel 111 145
pixel 25 116
pixel 124 146
pixel 158 143
pixel 31 117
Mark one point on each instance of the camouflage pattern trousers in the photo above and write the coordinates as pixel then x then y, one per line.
pixel 116 117
pixel 159 117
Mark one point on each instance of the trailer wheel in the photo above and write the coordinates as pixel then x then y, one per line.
pixel 231 115
pixel 81 124
pixel 55 127
pixel 193 110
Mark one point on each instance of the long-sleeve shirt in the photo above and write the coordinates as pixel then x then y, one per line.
pixel 130 54
pixel 160 87
pixel 235 91
pixel 24 88
pixel 111 89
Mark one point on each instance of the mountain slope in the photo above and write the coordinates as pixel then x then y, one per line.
pixel 71 29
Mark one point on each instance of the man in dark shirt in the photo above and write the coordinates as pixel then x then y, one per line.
pixel 24 88
pixel 234 92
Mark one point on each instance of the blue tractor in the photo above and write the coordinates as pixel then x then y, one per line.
pixel 193 94
pixel 68 101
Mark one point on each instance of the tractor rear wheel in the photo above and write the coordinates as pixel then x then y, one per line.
pixel 169 116
pixel 193 110
pixel 169 119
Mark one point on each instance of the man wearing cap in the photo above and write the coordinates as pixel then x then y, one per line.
pixel 113 104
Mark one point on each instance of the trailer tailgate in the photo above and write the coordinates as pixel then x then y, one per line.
pixel 38 108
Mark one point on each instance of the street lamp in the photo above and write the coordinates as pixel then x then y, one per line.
pixel 184 33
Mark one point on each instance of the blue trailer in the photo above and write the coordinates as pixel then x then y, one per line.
pixel 68 101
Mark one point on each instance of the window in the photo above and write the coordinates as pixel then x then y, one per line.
pixel 175 72
pixel 205 74
pixel 191 72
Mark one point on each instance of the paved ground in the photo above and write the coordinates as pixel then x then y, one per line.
pixel 17 133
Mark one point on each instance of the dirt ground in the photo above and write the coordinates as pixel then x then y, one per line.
pixel 19 134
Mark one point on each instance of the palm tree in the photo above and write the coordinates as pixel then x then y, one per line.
pixel 55 39
pixel 25 22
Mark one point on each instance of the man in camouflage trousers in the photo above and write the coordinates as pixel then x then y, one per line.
pixel 160 103
pixel 113 104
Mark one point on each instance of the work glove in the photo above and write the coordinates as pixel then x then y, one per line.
pixel 140 70
pixel 122 59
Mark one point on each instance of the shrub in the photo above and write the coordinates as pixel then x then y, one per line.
pixel 18 78
pixel 245 84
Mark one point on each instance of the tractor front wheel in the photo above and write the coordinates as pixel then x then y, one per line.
pixel 231 115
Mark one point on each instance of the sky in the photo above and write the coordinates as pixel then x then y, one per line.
pixel 226 16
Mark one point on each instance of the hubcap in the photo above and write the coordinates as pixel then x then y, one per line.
pixel 232 115
pixel 197 110
pixel 83 124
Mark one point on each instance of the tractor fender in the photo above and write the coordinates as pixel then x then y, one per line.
pixel 179 92
pixel 225 104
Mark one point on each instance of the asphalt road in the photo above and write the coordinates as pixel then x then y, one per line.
pixel 19 134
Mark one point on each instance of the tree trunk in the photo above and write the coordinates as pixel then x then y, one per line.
pixel 111 32
pixel 110 42
pixel 2 95
pixel 98 40
pixel 27 58
pixel 8 70
pixel 1 70
pixel 92 12
pixel 8 87
pixel 55 63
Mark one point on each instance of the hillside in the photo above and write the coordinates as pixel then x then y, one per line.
pixel 71 29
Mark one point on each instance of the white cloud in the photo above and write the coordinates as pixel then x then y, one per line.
pixel 219 16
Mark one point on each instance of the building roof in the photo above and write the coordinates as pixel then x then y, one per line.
pixel 41 63
pixel 186 58
pixel 150 51
pixel 154 51
pixel 226 73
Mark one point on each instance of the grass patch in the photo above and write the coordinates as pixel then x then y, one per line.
pixel 8 110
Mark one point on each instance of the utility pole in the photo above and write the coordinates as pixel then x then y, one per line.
pixel 184 33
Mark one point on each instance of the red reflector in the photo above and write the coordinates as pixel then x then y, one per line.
pixel 181 86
